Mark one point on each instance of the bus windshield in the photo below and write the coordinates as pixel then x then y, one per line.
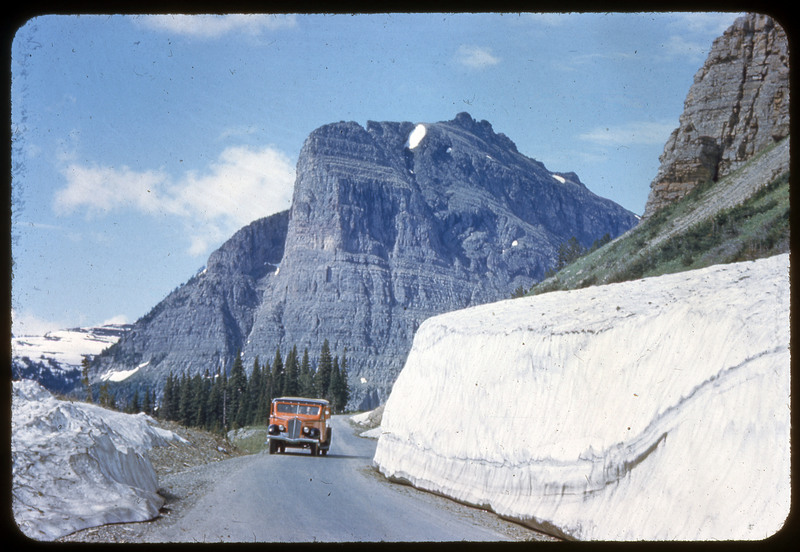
pixel 306 409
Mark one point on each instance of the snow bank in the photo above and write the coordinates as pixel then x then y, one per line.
pixel 362 418
pixel 369 422
pixel 654 409
pixel 77 465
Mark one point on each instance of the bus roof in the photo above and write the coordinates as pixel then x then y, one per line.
pixel 301 400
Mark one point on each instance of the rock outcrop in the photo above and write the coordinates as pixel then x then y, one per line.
pixel 389 225
pixel 737 106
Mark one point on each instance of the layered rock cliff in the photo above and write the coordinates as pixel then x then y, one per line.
pixel 389 225
pixel 737 106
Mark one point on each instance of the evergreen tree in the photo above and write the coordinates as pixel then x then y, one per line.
pixel 184 401
pixel 147 405
pixel 238 391
pixel 213 421
pixel 324 366
pixel 166 396
pixel 200 404
pixel 277 374
pixel 105 398
pixel 339 388
pixel 133 407
pixel 519 292
pixel 265 394
pixel 600 242
pixel 169 403
pixel 224 410
pixel 568 252
pixel 87 384
pixel 305 380
pixel 335 386
pixel 291 374
pixel 345 391
pixel 254 390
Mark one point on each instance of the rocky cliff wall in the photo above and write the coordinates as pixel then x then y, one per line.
pixel 737 106
pixel 386 231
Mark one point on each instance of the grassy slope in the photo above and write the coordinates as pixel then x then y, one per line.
pixel 700 230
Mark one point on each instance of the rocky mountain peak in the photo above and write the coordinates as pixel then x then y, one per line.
pixel 390 224
pixel 737 106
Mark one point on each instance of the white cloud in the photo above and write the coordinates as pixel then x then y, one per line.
pixel 103 189
pixel 215 26
pixel 242 185
pixel 23 323
pixel 629 134
pixel 118 319
pixel 476 57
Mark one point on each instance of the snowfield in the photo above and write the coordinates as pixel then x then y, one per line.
pixel 67 347
pixel 77 465
pixel 647 410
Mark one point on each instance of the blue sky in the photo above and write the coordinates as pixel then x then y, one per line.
pixel 141 143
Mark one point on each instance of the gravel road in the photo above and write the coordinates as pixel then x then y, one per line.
pixel 295 497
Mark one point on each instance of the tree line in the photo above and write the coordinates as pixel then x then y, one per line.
pixel 223 401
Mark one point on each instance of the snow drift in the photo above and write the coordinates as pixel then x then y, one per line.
pixel 653 409
pixel 77 465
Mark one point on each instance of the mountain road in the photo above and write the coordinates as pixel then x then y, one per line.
pixel 296 497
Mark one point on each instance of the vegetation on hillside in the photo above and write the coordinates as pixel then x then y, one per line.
pixel 756 228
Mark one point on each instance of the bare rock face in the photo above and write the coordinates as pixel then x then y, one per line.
pixel 737 106
pixel 389 225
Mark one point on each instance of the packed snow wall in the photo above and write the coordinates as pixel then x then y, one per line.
pixel 652 409
pixel 77 465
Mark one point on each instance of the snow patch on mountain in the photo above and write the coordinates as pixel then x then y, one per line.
pixel 54 359
pixel 67 347
pixel 77 465
pixel 652 409
pixel 121 375
pixel 416 136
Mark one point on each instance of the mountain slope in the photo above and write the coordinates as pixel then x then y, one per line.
pixel 201 324
pixel 744 216
pixel 389 225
